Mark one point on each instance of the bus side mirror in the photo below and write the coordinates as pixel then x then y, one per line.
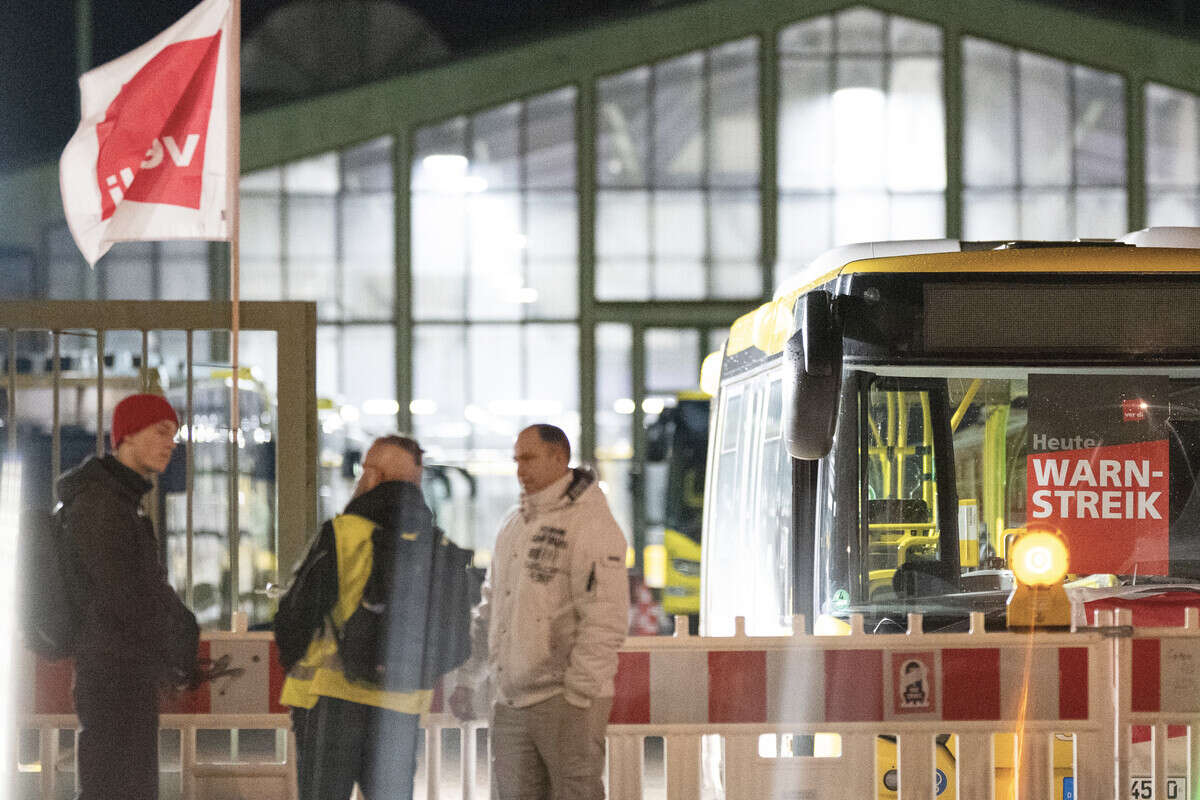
pixel 813 377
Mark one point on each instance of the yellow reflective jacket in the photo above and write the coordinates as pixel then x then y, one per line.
pixel 319 672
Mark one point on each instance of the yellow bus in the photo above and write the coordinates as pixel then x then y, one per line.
pixel 887 426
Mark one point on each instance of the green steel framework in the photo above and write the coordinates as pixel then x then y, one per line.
pixel 399 106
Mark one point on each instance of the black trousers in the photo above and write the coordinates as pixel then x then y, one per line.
pixel 117 746
pixel 340 743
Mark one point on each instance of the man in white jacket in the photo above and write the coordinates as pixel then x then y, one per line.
pixel 553 615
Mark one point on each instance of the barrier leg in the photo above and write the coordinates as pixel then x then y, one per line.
pixel 742 780
pixel 187 762
pixel 625 757
pixel 975 766
pixel 467 756
pixel 682 757
pixel 1095 771
pixel 858 753
pixel 433 762
pixel 1034 765
pixel 293 780
pixel 1160 760
pixel 916 762
pixel 48 754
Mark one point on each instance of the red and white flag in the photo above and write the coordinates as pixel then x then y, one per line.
pixel 150 159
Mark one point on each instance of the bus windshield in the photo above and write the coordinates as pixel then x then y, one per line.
pixel 947 465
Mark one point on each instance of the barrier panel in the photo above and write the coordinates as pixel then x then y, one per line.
pixel 1156 704
pixel 878 695
pixel 913 687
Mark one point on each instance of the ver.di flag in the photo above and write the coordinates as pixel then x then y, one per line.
pixel 150 159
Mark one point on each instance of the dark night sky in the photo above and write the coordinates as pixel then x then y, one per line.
pixel 37 45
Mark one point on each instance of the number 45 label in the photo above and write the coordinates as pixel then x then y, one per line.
pixel 1143 788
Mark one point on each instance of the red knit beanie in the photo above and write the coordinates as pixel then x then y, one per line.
pixel 139 411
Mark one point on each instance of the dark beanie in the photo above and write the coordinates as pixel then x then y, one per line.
pixel 139 411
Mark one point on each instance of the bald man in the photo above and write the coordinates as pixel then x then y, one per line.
pixel 349 730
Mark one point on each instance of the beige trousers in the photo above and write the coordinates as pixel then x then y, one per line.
pixel 551 750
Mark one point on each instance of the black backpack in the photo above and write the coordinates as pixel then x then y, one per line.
pixel 50 609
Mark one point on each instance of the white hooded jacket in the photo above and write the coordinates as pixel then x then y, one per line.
pixel 555 603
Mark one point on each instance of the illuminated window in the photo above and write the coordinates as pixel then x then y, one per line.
pixel 677 169
pixel 1043 147
pixel 861 133
pixel 1172 157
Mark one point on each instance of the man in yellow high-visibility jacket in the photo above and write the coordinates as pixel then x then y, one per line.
pixel 350 731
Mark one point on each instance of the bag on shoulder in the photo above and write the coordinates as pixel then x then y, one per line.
pixel 50 611
pixel 310 596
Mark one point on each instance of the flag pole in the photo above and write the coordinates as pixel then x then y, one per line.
pixel 232 206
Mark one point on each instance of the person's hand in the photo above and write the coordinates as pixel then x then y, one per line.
pixel 462 703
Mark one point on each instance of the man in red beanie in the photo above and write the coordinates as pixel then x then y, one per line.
pixel 135 633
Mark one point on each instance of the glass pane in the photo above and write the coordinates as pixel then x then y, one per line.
pixel 369 375
pixel 805 230
pixel 622 128
pixel 552 377
pixel 679 228
pixel 1099 128
pixel 127 271
pixel 439 387
pixel 366 167
pixel 550 140
pixel 861 217
pixel 1100 213
pixel 264 180
pixel 910 36
pixel 622 245
pixel 1046 214
pixel 1172 137
pixel 495 388
pixel 439 256
pixel 495 149
pixel 551 255
pixel 311 242
pixel 439 149
pixel 317 175
pixel 918 216
pixel 916 143
pixel 614 416
pixel 261 247
pixel 1175 208
pixel 678 137
pixel 859 124
pixel 329 362
pixel 183 271
pixel 496 279
pixel 989 108
pixel 69 277
pixel 860 30
pixel 368 262
pixel 735 246
pixel 1045 121
pixel 805 125
pixel 733 99
pixel 811 37
pixel 676 279
pixel 672 360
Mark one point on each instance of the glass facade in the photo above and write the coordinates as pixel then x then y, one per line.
pixel 494 290
pixel 862 153
pixel 1043 147
pixel 1172 156
pixel 677 176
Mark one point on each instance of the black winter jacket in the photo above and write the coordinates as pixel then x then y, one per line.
pixel 132 619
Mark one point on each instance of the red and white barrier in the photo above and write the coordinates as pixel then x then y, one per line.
pixel 1109 686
